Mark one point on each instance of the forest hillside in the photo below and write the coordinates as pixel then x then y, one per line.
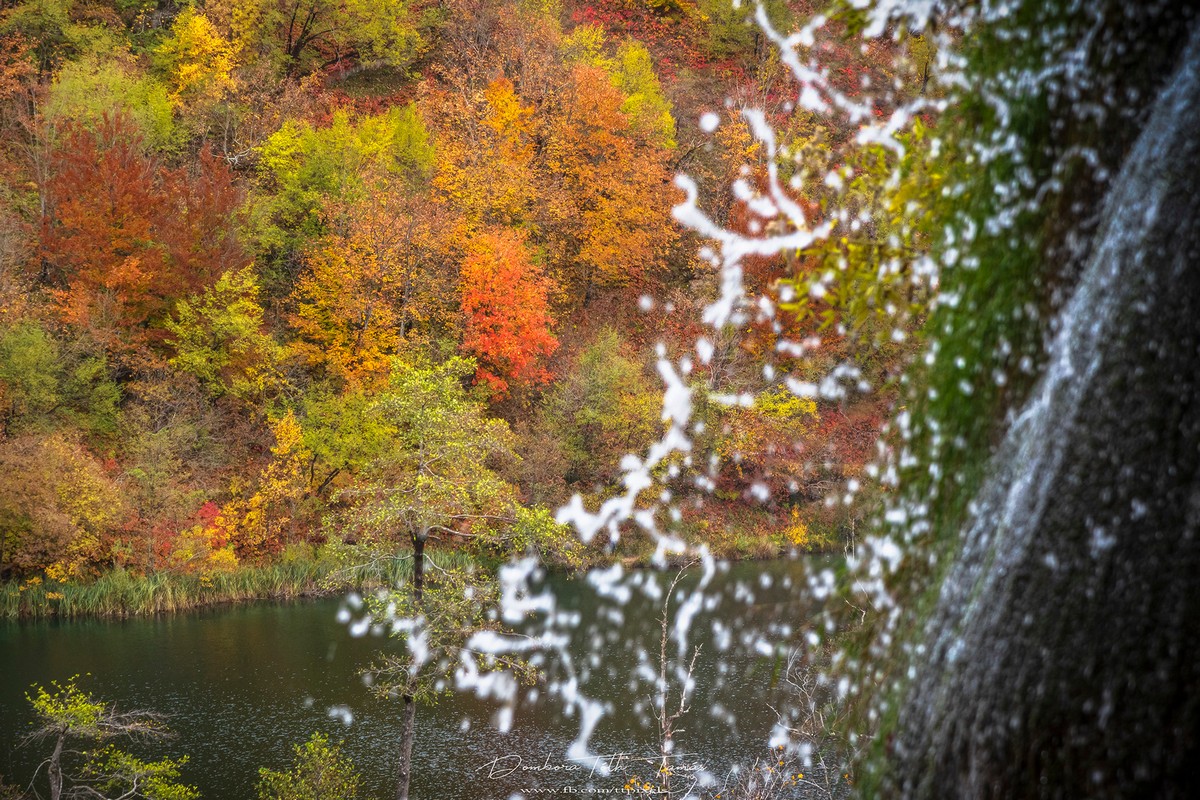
pixel 267 265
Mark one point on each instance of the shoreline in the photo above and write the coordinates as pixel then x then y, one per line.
pixel 119 594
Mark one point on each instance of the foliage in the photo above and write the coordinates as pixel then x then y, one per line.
pixel 259 525
pixel 127 235
pixel 632 72
pixel 57 506
pixel 219 337
pixel 649 111
pixel 68 708
pixel 102 237
pixel 87 90
pixel 162 460
pixel 50 26
pixel 438 475
pixel 346 313
pixel 602 409
pixel 303 36
pixel 89 397
pixel 66 714
pixel 487 160
pixel 857 280
pixel 319 772
pixel 730 29
pixel 233 262
pixel 344 433
pixel 303 166
pixel 505 298
pixel 368 289
pixel 535 532
pixel 763 446
pixel 197 62
pixel 614 207
pixel 118 774
pixel 28 376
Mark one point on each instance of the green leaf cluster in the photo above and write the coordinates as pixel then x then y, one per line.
pixel 66 713
pixel 69 708
pixel 119 774
pixel 302 36
pixel 648 109
pixel 219 337
pixel 455 605
pixel 439 474
pixel 301 166
pixel 86 90
pixel 603 409
pixel 43 383
pixel 320 771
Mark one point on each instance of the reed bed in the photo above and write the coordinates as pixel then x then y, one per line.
pixel 120 593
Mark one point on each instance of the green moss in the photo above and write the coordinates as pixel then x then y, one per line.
pixel 988 331
pixel 985 335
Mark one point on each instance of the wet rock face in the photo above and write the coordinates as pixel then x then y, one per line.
pixel 1063 659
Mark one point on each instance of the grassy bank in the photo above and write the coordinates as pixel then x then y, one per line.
pixel 120 593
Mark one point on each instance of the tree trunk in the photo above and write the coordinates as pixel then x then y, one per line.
pixel 54 768
pixel 408 718
pixel 418 579
pixel 1063 658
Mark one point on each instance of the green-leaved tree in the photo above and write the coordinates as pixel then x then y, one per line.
pixel 320 771
pixel 69 718
pixel 440 479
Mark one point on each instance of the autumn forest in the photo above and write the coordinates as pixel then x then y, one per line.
pixel 282 281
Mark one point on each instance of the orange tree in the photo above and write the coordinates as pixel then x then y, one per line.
pixel 505 299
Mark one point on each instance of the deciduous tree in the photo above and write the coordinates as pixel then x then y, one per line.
pixel 87 89
pixel 320 771
pixel 385 279
pixel 505 299
pixel 614 194
pixel 438 479
pixel 486 158
pixel 57 506
pixel 303 35
pixel 66 715
pixel 261 523
pixel 125 236
pixel 602 409
pixel 220 337
pixel 304 169
pixel 196 60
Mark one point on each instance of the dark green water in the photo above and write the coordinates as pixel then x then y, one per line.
pixel 242 684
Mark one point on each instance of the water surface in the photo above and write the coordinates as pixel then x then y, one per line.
pixel 242 684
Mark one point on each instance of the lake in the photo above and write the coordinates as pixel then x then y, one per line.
pixel 242 684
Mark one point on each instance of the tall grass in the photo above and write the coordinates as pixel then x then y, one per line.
pixel 120 593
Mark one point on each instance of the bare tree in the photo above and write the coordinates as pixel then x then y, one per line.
pixel 669 711
pixel 666 717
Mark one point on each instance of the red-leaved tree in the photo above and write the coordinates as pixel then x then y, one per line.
pixel 505 297
pixel 124 236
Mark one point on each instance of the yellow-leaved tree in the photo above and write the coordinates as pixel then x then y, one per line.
pixel 196 60
pixel 486 156
pixel 367 290
pixel 261 524
pixel 614 200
